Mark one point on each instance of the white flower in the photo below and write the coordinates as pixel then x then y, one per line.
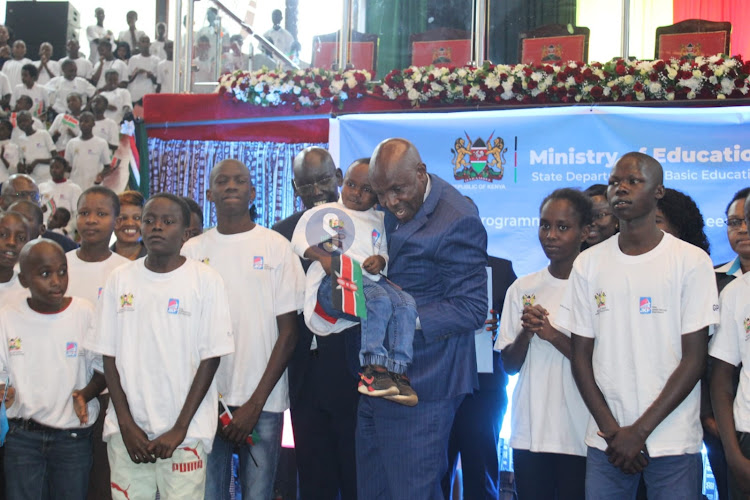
pixel 697 73
pixel 413 95
pixel 670 96
pixel 436 87
pixel 570 81
pixel 462 72
pixel 296 90
pixel 671 73
pixel 507 95
pixel 721 96
pixel 536 76
pixel 641 96
pixel 258 87
pixel 578 97
pixel 606 91
pixel 654 87
pixel 492 81
pixel 391 94
pixel 727 85
pixel 691 95
pixel 337 85
pixel 713 80
pixel 351 81
pixel 628 79
pixel 343 96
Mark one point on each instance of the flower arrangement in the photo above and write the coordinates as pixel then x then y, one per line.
pixel 302 88
pixel 619 80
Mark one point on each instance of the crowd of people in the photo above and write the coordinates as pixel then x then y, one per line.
pixel 203 339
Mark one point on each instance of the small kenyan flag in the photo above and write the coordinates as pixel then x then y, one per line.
pixel 70 121
pixel 52 206
pixel 13 117
pixel 347 287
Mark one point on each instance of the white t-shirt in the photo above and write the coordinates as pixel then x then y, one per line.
pixel 95 32
pixel 5 87
pixel 84 67
pixel 142 84
pixel 39 145
pixel 548 414
pixel 281 38
pixel 126 37
pixel 44 77
pixel 87 279
pixel 60 126
pixel 18 133
pixel 116 64
pixel 39 97
pixel 12 69
pixel 203 74
pixel 367 237
pixel 730 343
pixel 11 154
pixel 636 308
pixel 46 361
pixel 11 288
pixel 60 195
pixel 159 327
pixel 164 72
pixel 87 158
pixel 59 89
pixel 108 130
pixel 157 49
pixel 264 279
pixel 120 99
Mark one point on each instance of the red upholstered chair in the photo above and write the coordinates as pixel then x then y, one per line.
pixel 554 43
pixel 441 47
pixel 363 51
pixel 692 38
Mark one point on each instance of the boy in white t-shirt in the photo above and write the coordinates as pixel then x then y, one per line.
pixel 47 68
pixel 59 192
pixel 48 448
pixel 729 349
pixel 88 156
pixel 14 233
pixel 104 127
pixel 639 306
pixel 37 148
pixel 264 281
pixel 391 312
pixel 165 70
pixel 28 86
pixel 65 125
pixel 163 324
pixel 10 154
pixel 69 82
pixel 142 68
pixel 12 67
pixel 119 100
pixel 24 103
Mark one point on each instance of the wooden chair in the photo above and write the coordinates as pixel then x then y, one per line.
pixel 554 43
pixel 692 38
pixel 362 51
pixel 441 47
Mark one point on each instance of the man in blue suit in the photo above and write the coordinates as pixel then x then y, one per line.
pixel 437 253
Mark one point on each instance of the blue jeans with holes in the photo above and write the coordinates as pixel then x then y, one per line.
pixel 50 464
pixel 389 311
pixel 256 472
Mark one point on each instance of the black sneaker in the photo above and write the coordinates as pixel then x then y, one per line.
pixel 377 382
pixel 406 395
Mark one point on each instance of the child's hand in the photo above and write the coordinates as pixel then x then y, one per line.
pixel 374 264
pixel 136 442
pixel 81 408
pixel 164 445
pixel 243 422
pixel 10 396
pixel 532 318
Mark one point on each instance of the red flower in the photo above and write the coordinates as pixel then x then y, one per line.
pixel 659 65
pixel 653 77
pixel 532 84
pixel 596 91
pixel 638 87
pixel 620 69
pixel 578 78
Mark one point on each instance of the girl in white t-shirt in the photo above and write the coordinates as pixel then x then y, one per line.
pixel 549 416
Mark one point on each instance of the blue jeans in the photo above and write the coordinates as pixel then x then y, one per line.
pixel 666 478
pixel 50 464
pixel 389 310
pixel 256 480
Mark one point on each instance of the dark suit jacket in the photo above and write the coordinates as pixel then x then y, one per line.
pixel 439 257
pixel 66 243
pixel 502 277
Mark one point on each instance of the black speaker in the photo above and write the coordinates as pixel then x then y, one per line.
pixel 38 22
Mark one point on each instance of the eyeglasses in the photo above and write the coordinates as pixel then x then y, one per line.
pixel 25 195
pixel 601 215
pixel 735 223
pixel 305 189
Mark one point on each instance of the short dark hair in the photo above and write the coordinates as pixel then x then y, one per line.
pixel 581 203
pixel 61 160
pixel 596 190
pixel 68 62
pixel 739 195
pixel 31 70
pixel 184 208
pixel 194 207
pixel 103 191
pixel 684 215
pixel 64 213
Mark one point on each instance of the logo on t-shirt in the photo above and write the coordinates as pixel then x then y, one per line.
pixel 645 305
pixel 99 293
pixel 14 346
pixel 747 329
pixel 375 239
pixel 71 349
pixel 257 262
pixel 126 301
pixel 601 300
pixel 528 299
pixel 173 307
pixel 206 261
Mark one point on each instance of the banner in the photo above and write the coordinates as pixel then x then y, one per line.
pixel 507 161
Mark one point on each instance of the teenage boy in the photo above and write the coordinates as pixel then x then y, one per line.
pixel 104 127
pixel 23 103
pixel 12 67
pixel 163 324
pixel 639 306
pixel 65 125
pixel 119 100
pixel 48 448
pixel 14 233
pixel 37 148
pixel 107 61
pixel 30 87
pixel 69 82
pixel 83 65
pixel 165 70
pixel 253 380
pixel 48 69
pixel 142 68
pixel 59 192
pixel 89 156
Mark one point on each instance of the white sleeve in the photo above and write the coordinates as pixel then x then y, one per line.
pixel 699 299
pixel 114 135
pixel 288 283
pixel 50 143
pixel 105 157
pixel 299 238
pixel 510 320
pixel 89 89
pixel 725 341
pixel 123 69
pixel 216 336
pixel 102 337
pixel 91 34
pixel 575 313
pixel 69 154
pixel 4 85
pixel 128 104
pixel 55 127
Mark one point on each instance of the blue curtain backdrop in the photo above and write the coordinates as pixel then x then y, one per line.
pixel 183 168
